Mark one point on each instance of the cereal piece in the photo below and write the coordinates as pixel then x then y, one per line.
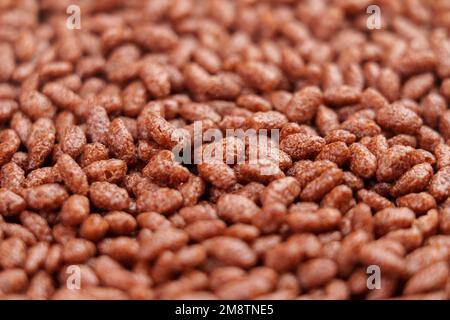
pixel 428 279
pixel 62 233
pixel 236 208
pixel 371 98
pixel 428 138
pixel 8 63
pixel 164 170
pixel 389 84
pixel 428 224
pixel 120 141
pixel 390 219
pixel 156 79
pixel 285 256
pixel 327 120
pixel 342 95
pixel 399 119
pixel 317 188
pixel 153 221
pixel 40 142
pixel 37 225
pixel 159 129
pixel 111 170
pixel 374 200
pixel 283 190
pixel 194 111
pixel 424 257
pixel 302 146
pixel 192 190
pixel 36 257
pixel 78 251
pixel 207 59
pixel 42 175
pixel 404 140
pixel 231 251
pixel 444 125
pixel 121 248
pixel 242 231
pixel 260 281
pixel 410 238
pixel 54 258
pixel 7 109
pixel 108 196
pixel 72 175
pixel 163 200
pixel 74 210
pixel 417 86
pixel 98 125
pixel 146 150
pixel 395 162
pixel 155 37
pixel 251 190
pixel 346 259
pixel 305 170
pixel 266 120
pixel 64 97
pixel 13 230
pixel 93 152
pixel 73 141
pixel 339 197
pixel 46 197
pixel 120 223
pixel 253 103
pixel 414 62
pixel 362 162
pixel 94 227
pixel 13 281
pixel 36 105
pixel 420 203
pixel 304 104
pixel 388 261
pixel 218 174
pixel 340 136
pixel 337 152
pixel 205 229
pixel 164 239
pixel 439 186
pixel 11 204
pixel 324 219
pixel 260 76
pixel 12 253
pixel 442 153
pixel 261 170
pixel 414 180
pixel 351 180
pixel 134 97
pixel 316 272
pixel 361 127
pixel 270 217
pixel 433 106
pixel 9 144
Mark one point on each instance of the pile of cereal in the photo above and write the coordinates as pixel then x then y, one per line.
pixel 348 199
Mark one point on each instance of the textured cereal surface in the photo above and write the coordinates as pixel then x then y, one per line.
pixel 90 119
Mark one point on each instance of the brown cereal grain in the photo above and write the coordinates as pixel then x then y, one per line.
pixel 99 147
pixel 73 176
